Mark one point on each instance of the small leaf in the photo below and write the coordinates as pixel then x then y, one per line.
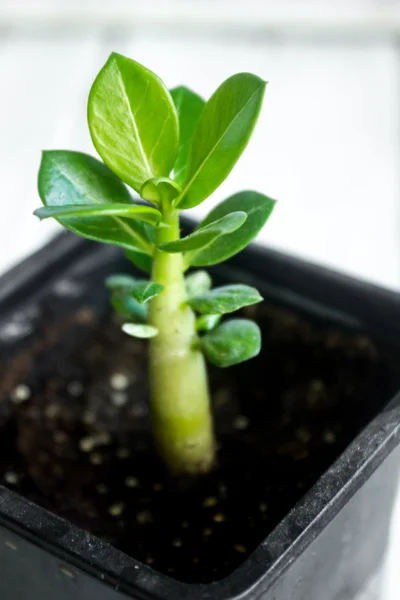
pixel 140 259
pixel 143 291
pixel 257 207
pixel 232 342
pixel 189 107
pixel 140 290
pixel 128 308
pixel 129 211
pixel 225 299
pixel 133 121
pixel 207 322
pixel 67 178
pixel 197 283
pixel 221 134
pixel 139 330
pixel 120 282
pixel 160 189
pixel 204 236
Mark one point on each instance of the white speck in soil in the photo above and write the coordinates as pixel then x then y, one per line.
pixel 119 381
pixel 96 458
pixel 177 543
pixel 239 548
pixel 263 507
pixel 101 488
pixel 10 477
pixel 210 501
pixel 184 524
pixel 241 422
pixel 149 560
pixel 103 438
pixel 75 388
pixel 219 518
pixel 21 393
pixel 131 482
pixel 119 399
pixel 52 411
pixel 116 510
pixel 136 567
pixel 86 444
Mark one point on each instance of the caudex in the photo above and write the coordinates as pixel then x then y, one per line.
pixel 173 149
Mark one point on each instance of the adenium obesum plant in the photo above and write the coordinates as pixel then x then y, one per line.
pixel 173 149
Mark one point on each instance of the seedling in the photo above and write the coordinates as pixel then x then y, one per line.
pixel 174 150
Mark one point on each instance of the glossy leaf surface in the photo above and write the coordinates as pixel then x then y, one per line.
pixel 221 134
pixel 204 236
pixel 189 106
pixel 140 290
pixel 160 189
pixel 207 322
pixel 225 299
pixel 133 121
pixel 258 209
pixel 232 342
pixel 67 178
pixel 129 211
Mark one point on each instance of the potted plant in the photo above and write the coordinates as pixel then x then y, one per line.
pixel 132 469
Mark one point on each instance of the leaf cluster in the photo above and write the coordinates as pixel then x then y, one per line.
pixel 173 150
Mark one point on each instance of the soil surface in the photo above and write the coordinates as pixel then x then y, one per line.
pixel 75 437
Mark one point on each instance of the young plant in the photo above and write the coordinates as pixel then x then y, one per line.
pixel 173 149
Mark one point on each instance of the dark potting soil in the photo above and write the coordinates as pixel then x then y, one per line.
pixel 75 437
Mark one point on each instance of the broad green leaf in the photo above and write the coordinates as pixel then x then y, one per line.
pixel 189 107
pixel 204 236
pixel 140 290
pixel 140 331
pixel 232 342
pixel 207 322
pixel 257 207
pixel 160 189
pixel 67 178
pixel 128 308
pixel 133 121
pixel 197 283
pixel 225 299
pixel 140 259
pixel 221 134
pixel 129 211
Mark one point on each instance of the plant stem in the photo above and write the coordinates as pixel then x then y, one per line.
pixel 179 397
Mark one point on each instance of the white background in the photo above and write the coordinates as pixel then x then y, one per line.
pixel 327 146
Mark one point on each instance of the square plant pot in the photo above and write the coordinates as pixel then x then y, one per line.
pixel 328 544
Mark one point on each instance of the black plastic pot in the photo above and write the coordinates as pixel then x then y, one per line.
pixel 329 547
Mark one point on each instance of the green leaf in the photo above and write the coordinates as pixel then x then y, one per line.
pixel 257 207
pixel 221 134
pixel 140 259
pixel 225 299
pixel 197 283
pixel 160 189
pixel 140 290
pixel 133 121
pixel 128 308
pixel 140 331
pixel 189 107
pixel 129 211
pixel 207 322
pixel 232 342
pixel 143 291
pixel 67 178
pixel 204 236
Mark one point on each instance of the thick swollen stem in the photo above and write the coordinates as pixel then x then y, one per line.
pixel 179 396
